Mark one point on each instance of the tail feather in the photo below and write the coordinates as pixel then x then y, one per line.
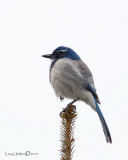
pixel 104 124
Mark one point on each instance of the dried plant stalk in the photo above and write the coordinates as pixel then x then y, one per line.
pixel 67 133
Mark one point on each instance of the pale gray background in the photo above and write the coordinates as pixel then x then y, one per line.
pixel 29 111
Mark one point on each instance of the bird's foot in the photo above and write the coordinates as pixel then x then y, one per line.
pixel 70 108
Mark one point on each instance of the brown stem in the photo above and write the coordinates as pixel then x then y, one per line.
pixel 66 132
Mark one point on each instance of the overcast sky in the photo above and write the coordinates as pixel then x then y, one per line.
pixel 29 109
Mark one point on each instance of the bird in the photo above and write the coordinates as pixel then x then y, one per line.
pixel 71 78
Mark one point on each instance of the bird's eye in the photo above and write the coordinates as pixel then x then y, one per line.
pixel 60 52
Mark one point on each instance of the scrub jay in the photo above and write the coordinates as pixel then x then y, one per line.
pixel 71 78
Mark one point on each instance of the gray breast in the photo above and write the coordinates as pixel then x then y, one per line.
pixel 68 78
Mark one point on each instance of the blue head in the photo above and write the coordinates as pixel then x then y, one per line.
pixel 62 52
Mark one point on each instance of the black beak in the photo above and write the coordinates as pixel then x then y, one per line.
pixel 48 56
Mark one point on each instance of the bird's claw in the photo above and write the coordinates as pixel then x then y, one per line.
pixel 70 108
pixel 61 99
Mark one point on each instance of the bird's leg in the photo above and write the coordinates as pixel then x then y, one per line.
pixel 68 106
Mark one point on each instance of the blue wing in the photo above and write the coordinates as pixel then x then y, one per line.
pixel 89 85
pixel 93 91
pixel 88 78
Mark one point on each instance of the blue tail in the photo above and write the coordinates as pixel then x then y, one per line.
pixel 104 124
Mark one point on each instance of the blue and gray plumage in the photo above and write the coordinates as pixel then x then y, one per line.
pixel 71 78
